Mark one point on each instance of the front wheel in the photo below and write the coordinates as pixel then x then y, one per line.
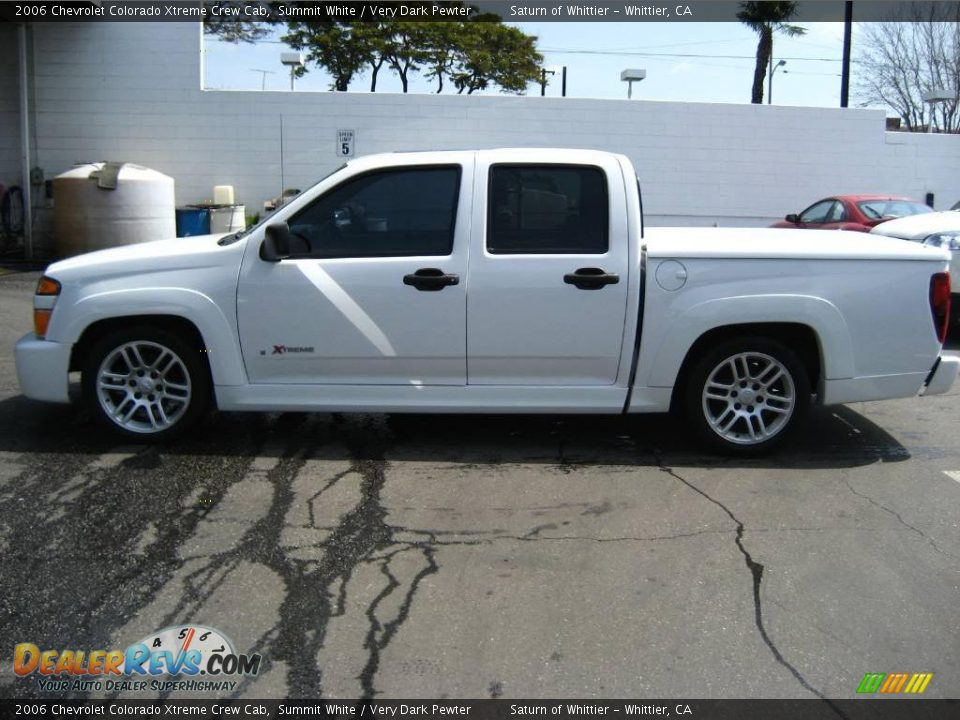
pixel 146 383
pixel 746 396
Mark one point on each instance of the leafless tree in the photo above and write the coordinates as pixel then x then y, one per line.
pixel 914 52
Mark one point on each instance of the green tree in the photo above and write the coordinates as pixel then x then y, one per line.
pixel 496 54
pixel 238 28
pixel 333 46
pixel 441 41
pixel 405 49
pixel 376 39
pixel 473 54
pixel 766 18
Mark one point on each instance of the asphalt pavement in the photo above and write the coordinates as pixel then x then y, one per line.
pixel 488 556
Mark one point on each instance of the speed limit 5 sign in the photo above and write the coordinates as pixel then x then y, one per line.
pixel 345 143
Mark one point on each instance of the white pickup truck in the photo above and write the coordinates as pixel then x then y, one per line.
pixel 495 281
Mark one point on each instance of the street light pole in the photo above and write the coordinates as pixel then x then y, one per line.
pixel 294 60
pixel 932 97
pixel 543 80
pixel 773 69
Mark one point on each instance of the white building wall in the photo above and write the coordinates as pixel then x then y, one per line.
pixel 129 91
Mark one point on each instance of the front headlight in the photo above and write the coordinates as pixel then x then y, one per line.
pixel 947 240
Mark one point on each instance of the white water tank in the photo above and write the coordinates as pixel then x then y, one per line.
pixel 101 205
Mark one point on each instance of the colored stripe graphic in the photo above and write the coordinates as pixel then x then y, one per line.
pixel 870 683
pixel 894 683
pixel 918 683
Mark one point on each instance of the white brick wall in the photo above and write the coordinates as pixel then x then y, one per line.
pixel 126 91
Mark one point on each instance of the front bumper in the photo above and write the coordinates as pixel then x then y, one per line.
pixel 43 368
pixel 943 375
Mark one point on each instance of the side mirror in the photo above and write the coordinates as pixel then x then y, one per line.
pixel 792 217
pixel 276 243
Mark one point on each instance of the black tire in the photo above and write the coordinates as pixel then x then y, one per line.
pixel 760 423
pixel 160 412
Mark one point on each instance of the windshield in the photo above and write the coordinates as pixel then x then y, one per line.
pixel 230 239
pixel 877 209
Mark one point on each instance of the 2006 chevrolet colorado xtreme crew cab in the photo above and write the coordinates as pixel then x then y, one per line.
pixel 517 280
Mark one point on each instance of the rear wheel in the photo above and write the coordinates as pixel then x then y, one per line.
pixel 747 395
pixel 146 383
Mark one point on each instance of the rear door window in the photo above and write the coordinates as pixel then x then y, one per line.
pixel 547 209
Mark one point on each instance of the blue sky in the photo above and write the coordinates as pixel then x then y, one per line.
pixel 703 62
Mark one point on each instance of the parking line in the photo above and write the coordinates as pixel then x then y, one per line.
pixel 953 474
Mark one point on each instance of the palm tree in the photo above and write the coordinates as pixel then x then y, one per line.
pixel 765 18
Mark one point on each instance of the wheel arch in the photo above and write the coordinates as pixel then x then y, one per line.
pixel 195 314
pixel 101 328
pixel 800 338
pixel 666 347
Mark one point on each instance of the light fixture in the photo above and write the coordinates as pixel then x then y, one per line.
pixel 294 60
pixel 630 76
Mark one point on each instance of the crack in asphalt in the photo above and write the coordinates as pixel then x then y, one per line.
pixel 894 513
pixel 756 574
pixel 386 632
pixel 313 596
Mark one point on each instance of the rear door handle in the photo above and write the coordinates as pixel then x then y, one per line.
pixel 589 278
pixel 431 279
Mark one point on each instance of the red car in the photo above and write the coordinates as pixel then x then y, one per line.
pixel 853 212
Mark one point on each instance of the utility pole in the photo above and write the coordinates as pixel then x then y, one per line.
pixel 847 32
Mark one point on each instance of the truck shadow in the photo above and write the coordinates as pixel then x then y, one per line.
pixel 835 437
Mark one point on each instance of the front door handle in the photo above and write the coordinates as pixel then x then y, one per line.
pixel 431 279
pixel 589 278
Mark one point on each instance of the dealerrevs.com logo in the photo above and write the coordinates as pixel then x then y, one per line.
pixel 203 657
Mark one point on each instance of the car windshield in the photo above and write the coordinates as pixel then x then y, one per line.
pixel 877 209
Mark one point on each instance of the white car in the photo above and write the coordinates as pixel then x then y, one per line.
pixel 939 229
pixel 518 280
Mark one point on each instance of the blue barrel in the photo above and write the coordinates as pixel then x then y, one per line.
pixel 193 221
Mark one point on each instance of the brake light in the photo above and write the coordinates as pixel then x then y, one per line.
pixel 940 304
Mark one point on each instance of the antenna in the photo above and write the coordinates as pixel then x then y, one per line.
pixel 263 76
